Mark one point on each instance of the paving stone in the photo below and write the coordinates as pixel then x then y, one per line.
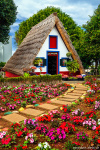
pixel 14 118
pixel 68 99
pixel 76 94
pixel 77 91
pixel 71 96
pixel 81 89
pixel 60 102
pixel 48 106
pixel 28 106
pixel 33 112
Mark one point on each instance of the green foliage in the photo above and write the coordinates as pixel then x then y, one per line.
pixel 7 17
pixel 68 54
pixel 37 61
pixel 72 66
pixel 39 78
pixel 92 36
pixel 72 29
pixel 26 74
pixel 2 64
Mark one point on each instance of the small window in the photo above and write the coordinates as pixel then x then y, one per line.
pixel 53 42
pixel 63 62
pixel 42 63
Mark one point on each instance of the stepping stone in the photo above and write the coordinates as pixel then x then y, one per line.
pixel 60 102
pixel 48 106
pixel 68 99
pixel 33 112
pixel 28 106
pixel 77 91
pixel 80 89
pixel 76 94
pixel 70 96
pixel 14 118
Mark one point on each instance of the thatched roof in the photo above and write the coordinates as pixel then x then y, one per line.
pixel 32 43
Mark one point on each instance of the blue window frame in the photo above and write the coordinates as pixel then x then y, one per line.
pixel 63 60
pixel 42 64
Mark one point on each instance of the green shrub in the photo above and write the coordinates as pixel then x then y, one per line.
pixel 2 64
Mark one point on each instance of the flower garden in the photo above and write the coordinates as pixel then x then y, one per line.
pixel 69 127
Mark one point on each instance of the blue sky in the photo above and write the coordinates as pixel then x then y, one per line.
pixel 79 10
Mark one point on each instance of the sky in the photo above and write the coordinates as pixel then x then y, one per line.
pixel 79 10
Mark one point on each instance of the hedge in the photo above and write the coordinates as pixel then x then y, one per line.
pixel 39 78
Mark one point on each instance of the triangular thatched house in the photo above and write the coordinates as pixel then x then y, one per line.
pixel 47 40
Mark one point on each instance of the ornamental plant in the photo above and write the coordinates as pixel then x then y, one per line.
pixel 54 113
pixel 20 147
pixel 90 93
pixel 70 145
pixel 12 106
pixel 45 118
pixel 89 100
pixel 2 134
pixel 30 138
pixel 65 117
pixel 56 135
pixel 91 114
pixel 98 130
pixel 68 127
pixel 20 132
pixel 2 109
pixel 97 105
pixel 14 126
pixel 90 124
pixel 8 140
pixel 77 112
pixel 82 136
pixel 66 108
pixel 98 98
pixel 77 120
pixel 43 146
pixel 95 140
pixel 30 124
pixel 42 129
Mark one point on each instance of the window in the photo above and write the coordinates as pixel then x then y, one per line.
pixel 52 42
pixel 63 62
pixel 42 63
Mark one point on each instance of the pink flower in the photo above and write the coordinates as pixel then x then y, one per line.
pixel 31 140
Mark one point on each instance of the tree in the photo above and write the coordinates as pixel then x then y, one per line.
pixel 92 36
pixel 7 17
pixel 72 29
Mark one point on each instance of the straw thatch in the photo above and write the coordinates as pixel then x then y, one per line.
pixel 32 43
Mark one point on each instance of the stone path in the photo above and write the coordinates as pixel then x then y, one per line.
pixel 14 118
pixel 33 112
pixel 68 98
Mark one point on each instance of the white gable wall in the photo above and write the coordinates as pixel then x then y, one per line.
pixel 61 48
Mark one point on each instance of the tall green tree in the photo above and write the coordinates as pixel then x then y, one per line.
pixel 8 12
pixel 72 29
pixel 92 36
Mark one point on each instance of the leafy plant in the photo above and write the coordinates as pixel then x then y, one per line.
pixel 68 54
pixel 72 66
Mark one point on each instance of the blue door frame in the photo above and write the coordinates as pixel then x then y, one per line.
pixel 47 60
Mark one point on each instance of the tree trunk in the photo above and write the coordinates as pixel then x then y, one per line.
pixel 96 64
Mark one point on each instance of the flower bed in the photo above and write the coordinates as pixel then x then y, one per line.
pixel 65 128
